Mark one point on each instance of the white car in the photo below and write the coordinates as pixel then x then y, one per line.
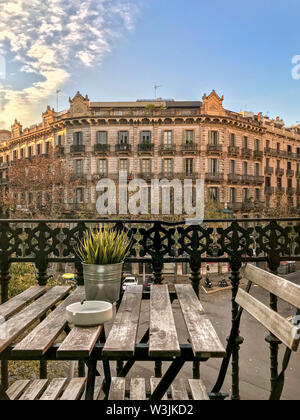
pixel 129 281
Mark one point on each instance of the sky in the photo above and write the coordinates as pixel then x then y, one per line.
pixel 119 49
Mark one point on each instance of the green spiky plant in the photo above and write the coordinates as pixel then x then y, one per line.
pixel 104 246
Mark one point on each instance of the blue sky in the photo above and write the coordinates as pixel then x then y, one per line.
pixel 118 49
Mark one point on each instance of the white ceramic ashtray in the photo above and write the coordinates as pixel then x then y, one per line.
pixel 90 313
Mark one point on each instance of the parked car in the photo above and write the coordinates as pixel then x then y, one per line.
pixel 149 282
pixel 129 281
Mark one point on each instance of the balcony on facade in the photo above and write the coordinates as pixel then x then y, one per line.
pixel 80 176
pixel 246 152
pixel 189 175
pixel 280 190
pixel 258 154
pixel 123 148
pixel 233 150
pixel 291 191
pixel 247 179
pixel 145 148
pixel 269 151
pixel 258 179
pixel 4 181
pixel 290 155
pixel 147 176
pixel 102 149
pixel 234 178
pixel 213 177
pixel 189 148
pixel 99 176
pixel 77 148
pixel 269 170
pixel 167 175
pixel 290 172
pixel 279 171
pixel 298 174
pixel 168 149
pixel 215 149
pixel 269 190
pixel 59 151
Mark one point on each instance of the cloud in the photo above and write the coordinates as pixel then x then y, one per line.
pixel 51 38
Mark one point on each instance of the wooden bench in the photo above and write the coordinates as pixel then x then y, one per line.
pixel 51 390
pixel 193 389
pixel 285 331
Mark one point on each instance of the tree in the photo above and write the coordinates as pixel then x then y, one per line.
pixel 40 187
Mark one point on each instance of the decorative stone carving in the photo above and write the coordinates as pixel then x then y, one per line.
pixel 213 104
pixel 79 105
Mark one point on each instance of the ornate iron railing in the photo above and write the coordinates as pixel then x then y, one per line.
pixel 43 242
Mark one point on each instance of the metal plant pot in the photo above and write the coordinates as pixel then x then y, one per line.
pixel 102 282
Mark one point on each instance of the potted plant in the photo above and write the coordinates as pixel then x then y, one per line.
pixel 103 253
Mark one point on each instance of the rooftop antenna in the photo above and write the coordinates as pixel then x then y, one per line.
pixel 155 90
pixel 57 93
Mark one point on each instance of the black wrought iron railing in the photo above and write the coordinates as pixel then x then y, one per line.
pixel 236 242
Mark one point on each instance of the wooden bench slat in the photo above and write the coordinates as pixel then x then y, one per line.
pixel 79 342
pixel 153 384
pixel 74 390
pixel 286 332
pixel 54 389
pixel 276 285
pixel 12 328
pixel 163 333
pixel 35 390
pixel 178 391
pixel 121 340
pixel 15 391
pixel 117 389
pixel 44 335
pixel 138 389
pixel 203 337
pixel 97 390
pixel 15 304
pixel 199 392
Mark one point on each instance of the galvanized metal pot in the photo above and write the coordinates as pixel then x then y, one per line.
pixel 102 282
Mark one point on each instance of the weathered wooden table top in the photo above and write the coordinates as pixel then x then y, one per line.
pixel 27 309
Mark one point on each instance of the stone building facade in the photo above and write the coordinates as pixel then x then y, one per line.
pixel 247 160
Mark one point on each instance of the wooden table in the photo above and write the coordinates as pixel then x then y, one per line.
pixel 159 343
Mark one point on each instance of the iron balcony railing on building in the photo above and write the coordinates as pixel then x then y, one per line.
pixel 45 243
pixel 233 150
pixel 214 148
pixel 246 152
pixel 279 171
pixel 280 190
pixel 291 191
pixel 59 151
pixel 168 149
pixel 214 177
pixel 4 181
pixel 258 179
pixel 146 148
pixel 189 148
pixel 269 170
pixel 269 190
pixel 80 176
pixel 258 154
pixel 290 172
pixel 234 178
pixel 77 148
pixel 101 148
pixel 269 151
pixel 123 148
pixel 247 179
